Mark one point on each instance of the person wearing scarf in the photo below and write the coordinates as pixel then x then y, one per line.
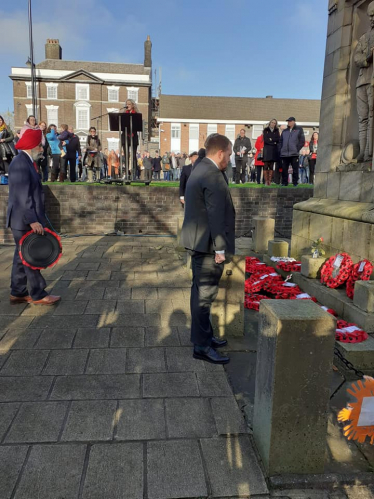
pixel 7 150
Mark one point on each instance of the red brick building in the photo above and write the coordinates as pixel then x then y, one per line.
pixel 75 92
pixel 185 121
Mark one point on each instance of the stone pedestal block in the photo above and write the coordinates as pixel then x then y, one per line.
pixel 263 232
pixel 311 267
pixel 294 362
pixel 364 295
pixel 277 247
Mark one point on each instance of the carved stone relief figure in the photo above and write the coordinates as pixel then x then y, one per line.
pixel 363 58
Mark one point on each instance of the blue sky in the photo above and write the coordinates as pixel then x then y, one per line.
pixel 204 47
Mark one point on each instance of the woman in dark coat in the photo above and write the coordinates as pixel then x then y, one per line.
pixel 271 140
pixel 7 150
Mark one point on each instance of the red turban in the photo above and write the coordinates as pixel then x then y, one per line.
pixel 30 139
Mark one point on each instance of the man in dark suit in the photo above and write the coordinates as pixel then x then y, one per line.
pixel 73 151
pixel 209 233
pixel 25 212
pixel 185 175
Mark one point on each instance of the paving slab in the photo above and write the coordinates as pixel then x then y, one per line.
pixel 228 417
pixel 127 337
pixel 141 420
pixel 7 308
pixel 12 322
pixel 131 307
pixel 107 361
pixel 63 362
pixel 11 461
pixel 146 360
pixel 133 320
pixel 115 472
pixel 180 359
pixel 213 385
pixel 161 336
pixel 55 339
pixel 90 421
pixel 37 422
pixel 52 472
pixel 175 469
pixel 144 294
pixel 7 413
pixel 114 386
pixel 65 308
pixel 87 337
pixel 24 363
pixel 232 467
pixel 184 334
pixel 100 307
pixel 21 388
pixel 117 294
pixel 90 293
pixel 88 266
pixel 66 321
pixel 170 385
pixel 189 418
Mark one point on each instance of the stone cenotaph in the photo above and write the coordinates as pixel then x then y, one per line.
pixel 342 209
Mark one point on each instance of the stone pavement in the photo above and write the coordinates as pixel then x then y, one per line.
pixel 100 397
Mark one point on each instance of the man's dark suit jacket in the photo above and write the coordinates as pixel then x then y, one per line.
pixel 73 147
pixel 26 196
pixel 185 175
pixel 209 217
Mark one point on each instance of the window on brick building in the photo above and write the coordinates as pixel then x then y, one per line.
pixel 257 131
pixel 193 143
pixel 113 94
pixel 83 111
pixel 211 128
pixel 29 110
pixel 82 91
pixel 52 91
pixel 175 142
pixel 230 132
pixel 52 115
pixel 28 89
pixel 113 143
pixel 133 93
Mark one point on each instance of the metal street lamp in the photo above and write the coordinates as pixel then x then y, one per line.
pixel 32 65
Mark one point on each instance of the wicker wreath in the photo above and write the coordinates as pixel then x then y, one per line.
pixel 336 270
pixel 360 271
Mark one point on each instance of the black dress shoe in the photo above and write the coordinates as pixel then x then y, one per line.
pixel 210 355
pixel 218 343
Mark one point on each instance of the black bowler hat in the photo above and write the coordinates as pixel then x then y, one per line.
pixel 292 118
pixel 39 251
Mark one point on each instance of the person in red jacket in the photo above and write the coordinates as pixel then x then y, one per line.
pixel 258 163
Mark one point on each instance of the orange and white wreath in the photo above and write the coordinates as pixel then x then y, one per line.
pixel 360 414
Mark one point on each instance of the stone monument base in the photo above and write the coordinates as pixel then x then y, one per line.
pixel 344 225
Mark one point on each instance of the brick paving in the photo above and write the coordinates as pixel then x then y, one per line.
pixel 100 397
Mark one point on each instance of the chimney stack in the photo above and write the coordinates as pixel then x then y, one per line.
pixel 53 49
pixel 148 53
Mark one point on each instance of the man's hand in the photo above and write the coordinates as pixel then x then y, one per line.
pixel 182 201
pixel 37 228
pixel 220 258
pixel 238 153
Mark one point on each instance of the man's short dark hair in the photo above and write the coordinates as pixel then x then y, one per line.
pixel 93 128
pixel 217 143
pixel 242 130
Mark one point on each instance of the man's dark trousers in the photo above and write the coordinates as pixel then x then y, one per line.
pixel 206 276
pixel 240 164
pixel 72 168
pixel 294 162
pixel 23 275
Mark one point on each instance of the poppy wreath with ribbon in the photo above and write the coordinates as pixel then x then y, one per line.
pixel 249 262
pixel 362 391
pixel 258 268
pixel 349 332
pixel 360 271
pixel 334 276
pixel 253 301
pixel 289 266
pixel 283 290
pixel 329 310
pixel 257 282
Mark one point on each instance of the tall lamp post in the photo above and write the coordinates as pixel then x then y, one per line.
pixel 31 59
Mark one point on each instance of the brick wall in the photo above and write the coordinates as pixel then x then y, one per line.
pixel 98 209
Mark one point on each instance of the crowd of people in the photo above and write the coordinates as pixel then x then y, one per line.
pixel 280 155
